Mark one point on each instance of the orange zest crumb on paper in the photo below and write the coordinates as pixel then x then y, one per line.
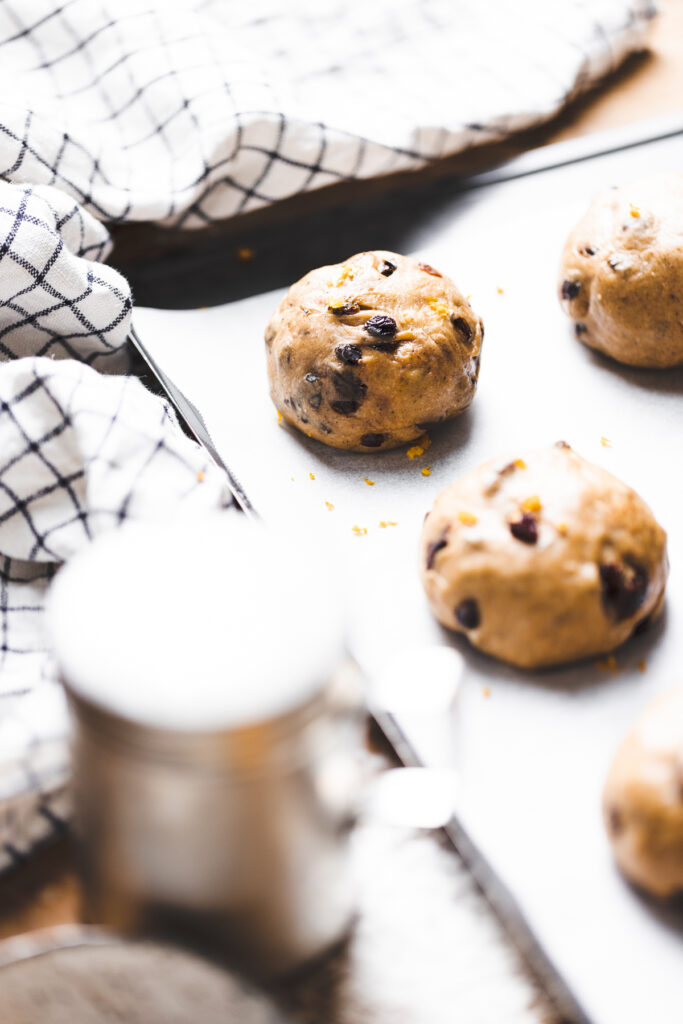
pixel 519 463
pixel 467 518
pixel 641 665
pixel 387 522
pixel 420 447
pixel 532 504
pixel 562 529
pixel 245 255
pixel 486 692
pixel 635 212
pixel 370 483
pixel 609 664
pixel 292 479
pixel 329 506
pixel 359 531
pixel 500 291
pixel 605 442
pixel 312 476
pixel 279 417
pixel 426 470
pixel 200 478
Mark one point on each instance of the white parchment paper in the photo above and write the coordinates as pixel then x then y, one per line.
pixel 534 752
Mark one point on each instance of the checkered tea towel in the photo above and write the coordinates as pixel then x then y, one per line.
pixel 56 297
pixel 80 453
pixel 188 111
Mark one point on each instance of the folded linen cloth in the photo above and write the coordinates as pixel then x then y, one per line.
pixel 187 111
pixel 80 453
pixel 56 296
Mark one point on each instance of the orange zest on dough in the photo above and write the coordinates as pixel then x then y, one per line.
pixel 467 518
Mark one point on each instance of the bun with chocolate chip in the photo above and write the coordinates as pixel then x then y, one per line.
pixel 541 558
pixel 367 354
pixel 643 799
pixel 621 275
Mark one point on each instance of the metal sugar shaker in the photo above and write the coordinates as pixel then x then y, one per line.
pixel 216 726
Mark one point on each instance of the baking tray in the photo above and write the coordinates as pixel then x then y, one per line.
pixel 534 747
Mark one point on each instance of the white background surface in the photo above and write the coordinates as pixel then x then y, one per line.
pixel 533 756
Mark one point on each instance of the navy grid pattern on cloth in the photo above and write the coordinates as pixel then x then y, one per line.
pixel 188 111
pixel 55 298
pixel 80 454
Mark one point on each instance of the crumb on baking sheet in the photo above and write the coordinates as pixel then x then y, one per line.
pixel 329 506
pixel 200 478
pixel 245 254
pixel 641 665
pixel 635 212
pixel 606 442
pixel 426 470
pixel 486 692
pixel 501 291
pixel 387 522
pixel 562 529
pixel 609 664
pixel 311 476
pixel 467 518
pixel 292 479
pixel 420 447
pixel 519 463
pixel 359 531
pixel 532 503
pixel 279 417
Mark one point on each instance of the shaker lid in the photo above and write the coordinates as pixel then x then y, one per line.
pixel 205 623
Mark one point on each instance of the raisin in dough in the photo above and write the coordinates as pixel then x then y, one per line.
pixel 643 799
pixel 621 277
pixel 541 558
pixel 368 353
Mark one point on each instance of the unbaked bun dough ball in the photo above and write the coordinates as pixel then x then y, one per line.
pixel 369 353
pixel 540 558
pixel 643 799
pixel 621 277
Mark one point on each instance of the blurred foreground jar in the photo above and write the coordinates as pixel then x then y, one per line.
pixel 216 737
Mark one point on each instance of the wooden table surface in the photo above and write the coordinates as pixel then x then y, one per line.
pixel 45 892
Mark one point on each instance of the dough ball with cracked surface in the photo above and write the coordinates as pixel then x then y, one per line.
pixel 541 557
pixel 621 275
pixel 643 799
pixel 367 354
